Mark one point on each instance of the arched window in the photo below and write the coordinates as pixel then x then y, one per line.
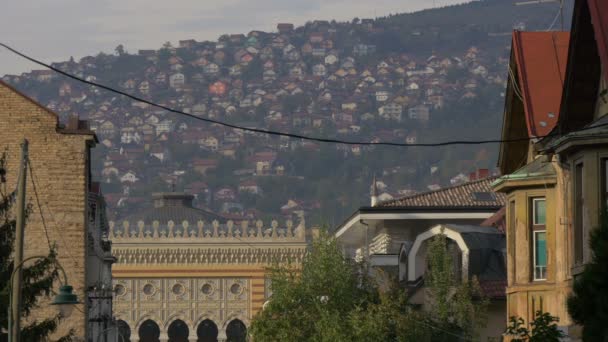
pixel 207 331
pixel 236 331
pixel 149 331
pixel 178 331
pixel 124 331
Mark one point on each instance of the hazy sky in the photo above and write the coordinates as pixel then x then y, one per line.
pixel 54 30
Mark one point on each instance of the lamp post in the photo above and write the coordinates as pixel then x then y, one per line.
pixel 64 300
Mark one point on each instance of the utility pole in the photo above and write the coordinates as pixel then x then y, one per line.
pixel 18 252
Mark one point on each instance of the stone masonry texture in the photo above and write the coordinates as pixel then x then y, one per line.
pixel 59 160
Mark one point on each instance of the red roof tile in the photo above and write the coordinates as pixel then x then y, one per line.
pixel 540 58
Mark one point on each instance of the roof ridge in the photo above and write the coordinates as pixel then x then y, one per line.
pixel 439 190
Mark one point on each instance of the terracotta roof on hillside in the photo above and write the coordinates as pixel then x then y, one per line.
pixel 541 59
pixel 472 194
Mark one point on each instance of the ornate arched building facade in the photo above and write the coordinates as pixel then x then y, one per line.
pixel 182 274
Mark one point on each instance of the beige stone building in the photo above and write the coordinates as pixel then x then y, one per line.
pixel 184 274
pixel 71 204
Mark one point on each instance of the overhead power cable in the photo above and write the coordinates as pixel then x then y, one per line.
pixel 278 133
pixel 46 231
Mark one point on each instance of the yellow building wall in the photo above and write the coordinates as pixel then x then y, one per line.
pixel 525 295
pixel 256 274
pixel 59 162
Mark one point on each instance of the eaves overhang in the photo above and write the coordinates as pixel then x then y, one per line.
pixel 574 141
pixel 509 183
pixel 414 213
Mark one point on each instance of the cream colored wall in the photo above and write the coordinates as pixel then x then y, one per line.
pixel 159 253
pixel 522 291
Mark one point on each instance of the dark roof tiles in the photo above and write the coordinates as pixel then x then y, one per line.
pixel 459 196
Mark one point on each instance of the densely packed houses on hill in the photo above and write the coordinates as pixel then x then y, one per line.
pixel 318 80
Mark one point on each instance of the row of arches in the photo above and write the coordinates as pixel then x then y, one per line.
pixel 178 331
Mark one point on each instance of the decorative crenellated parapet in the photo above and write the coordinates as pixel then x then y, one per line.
pixel 210 255
pixel 200 231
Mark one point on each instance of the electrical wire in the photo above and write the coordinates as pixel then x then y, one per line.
pixel 444 331
pixel 516 89
pixel 46 231
pixel 65 245
pixel 559 12
pixel 271 132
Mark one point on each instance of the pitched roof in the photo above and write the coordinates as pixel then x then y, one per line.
pixel 540 59
pixel 478 193
pixel 599 17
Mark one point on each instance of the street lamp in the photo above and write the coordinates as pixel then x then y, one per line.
pixel 64 300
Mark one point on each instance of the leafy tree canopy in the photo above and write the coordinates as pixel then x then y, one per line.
pixel 332 298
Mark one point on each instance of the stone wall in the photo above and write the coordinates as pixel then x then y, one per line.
pixel 59 159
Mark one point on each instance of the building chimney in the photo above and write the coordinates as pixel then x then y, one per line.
pixel 73 122
pixel 472 176
pixel 374 198
pixel 483 173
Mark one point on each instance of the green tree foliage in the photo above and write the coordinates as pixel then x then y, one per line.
pixel 544 329
pixel 588 304
pixel 320 295
pixel 38 278
pixel 456 306
pixel 331 298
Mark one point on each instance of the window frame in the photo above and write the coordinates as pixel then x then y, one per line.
pixel 542 269
pixel 512 235
pixel 578 208
pixel 536 229
pixel 603 161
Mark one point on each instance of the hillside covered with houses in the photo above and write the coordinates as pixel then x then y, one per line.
pixel 410 78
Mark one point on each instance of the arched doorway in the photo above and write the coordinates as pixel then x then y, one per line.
pixel 178 331
pixel 149 331
pixel 236 331
pixel 207 331
pixel 124 331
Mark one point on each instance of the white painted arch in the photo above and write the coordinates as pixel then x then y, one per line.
pixel 436 230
